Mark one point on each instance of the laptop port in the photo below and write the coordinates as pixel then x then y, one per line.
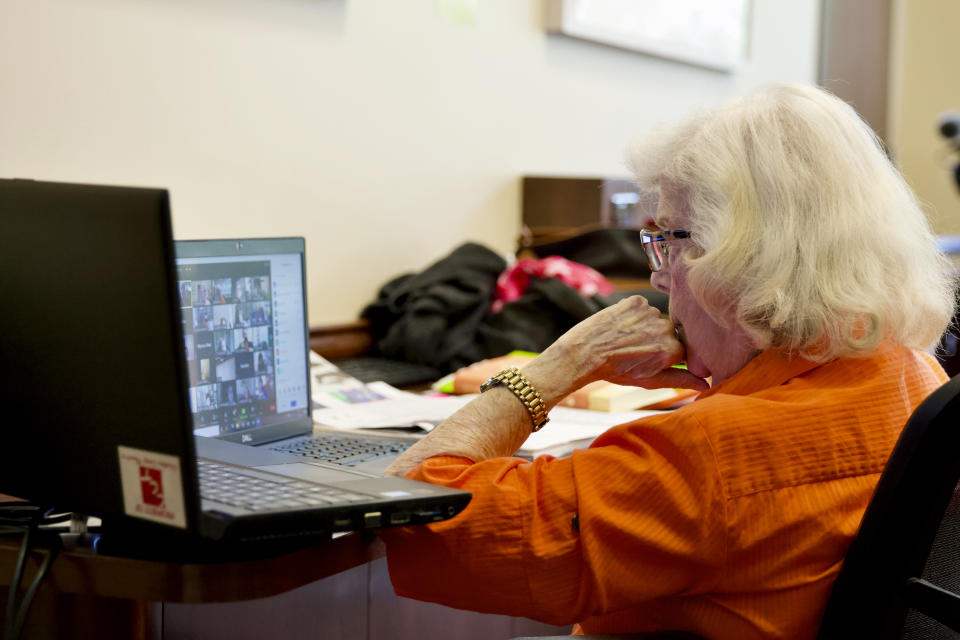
pixel 399 518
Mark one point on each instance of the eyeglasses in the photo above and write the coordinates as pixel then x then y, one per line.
pixel 656 247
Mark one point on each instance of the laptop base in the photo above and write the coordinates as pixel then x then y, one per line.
pixel 161 544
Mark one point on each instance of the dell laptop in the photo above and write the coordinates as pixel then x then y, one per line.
pixel 112 362
pixel 243 308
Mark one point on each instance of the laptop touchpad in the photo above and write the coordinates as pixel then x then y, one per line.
pixel 311 472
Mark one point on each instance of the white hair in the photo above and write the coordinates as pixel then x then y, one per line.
pixel 802 225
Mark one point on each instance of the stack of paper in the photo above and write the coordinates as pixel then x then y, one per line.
pixel 342 402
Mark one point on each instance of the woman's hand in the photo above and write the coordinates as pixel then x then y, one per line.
pixel 629 343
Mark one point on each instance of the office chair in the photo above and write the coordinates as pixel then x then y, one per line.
pixel 901 575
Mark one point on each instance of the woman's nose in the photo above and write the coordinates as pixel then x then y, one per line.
pixel 660 281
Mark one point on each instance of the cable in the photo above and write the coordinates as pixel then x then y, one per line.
pixel 42 571
pixel 17 577
pixel 26 520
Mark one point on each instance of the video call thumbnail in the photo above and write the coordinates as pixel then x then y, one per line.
pixel 227 320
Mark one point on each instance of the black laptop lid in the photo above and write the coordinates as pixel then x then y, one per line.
pixel 92 385
pixel 244 315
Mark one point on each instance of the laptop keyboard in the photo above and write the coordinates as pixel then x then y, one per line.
pixel 255 491
pixel 344 450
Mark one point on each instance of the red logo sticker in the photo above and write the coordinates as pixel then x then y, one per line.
pixel 151 486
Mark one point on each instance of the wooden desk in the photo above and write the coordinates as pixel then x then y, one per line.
pixel 81 570
pixel 338 589
pixel 345 340
pixel 113 593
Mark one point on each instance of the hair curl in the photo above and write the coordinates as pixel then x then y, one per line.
pixel 802 224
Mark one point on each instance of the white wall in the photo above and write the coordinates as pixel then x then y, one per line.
pixel 925 83
pixel 384 133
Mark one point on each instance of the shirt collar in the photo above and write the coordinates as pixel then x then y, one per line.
pixel 769 368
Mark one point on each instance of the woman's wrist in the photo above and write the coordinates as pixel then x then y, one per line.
pixel 554 374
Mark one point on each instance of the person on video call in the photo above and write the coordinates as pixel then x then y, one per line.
pixel 804 285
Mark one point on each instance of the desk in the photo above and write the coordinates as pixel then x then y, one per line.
pixel 337 589
pixel 81 583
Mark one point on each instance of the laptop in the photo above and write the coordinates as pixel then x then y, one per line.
pixel 99 399
pixel 243 305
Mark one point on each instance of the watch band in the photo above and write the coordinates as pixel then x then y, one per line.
pixel 512 379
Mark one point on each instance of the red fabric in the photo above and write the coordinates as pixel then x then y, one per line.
pixel 513 282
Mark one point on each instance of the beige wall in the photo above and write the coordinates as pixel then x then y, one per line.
pixel 925 82
pixel 382 132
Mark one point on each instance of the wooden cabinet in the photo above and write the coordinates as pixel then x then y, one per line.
pixel 559 202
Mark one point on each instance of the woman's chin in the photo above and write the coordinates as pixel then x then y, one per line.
pixel 697 368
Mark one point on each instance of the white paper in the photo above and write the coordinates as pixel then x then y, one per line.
pixel 328 377
pixel 349 394
pixel 570 425
pixel 404 411
pixel 343 402
pixel 566 424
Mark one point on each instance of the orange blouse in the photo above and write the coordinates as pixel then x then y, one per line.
pixel 728 518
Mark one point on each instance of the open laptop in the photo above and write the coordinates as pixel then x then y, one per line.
pixel 95 385
pixel 243 305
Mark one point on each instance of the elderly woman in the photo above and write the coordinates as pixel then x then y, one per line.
pixel 804 285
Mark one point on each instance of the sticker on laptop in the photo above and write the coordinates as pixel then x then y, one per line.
pixel 395 494
pixel 152 486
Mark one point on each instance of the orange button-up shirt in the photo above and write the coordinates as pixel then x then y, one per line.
pixel 728 518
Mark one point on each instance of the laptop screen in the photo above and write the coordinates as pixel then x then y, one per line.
pixel 86 349
pixel 243 308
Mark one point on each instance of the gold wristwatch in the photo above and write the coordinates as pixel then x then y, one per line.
pixel 512 379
